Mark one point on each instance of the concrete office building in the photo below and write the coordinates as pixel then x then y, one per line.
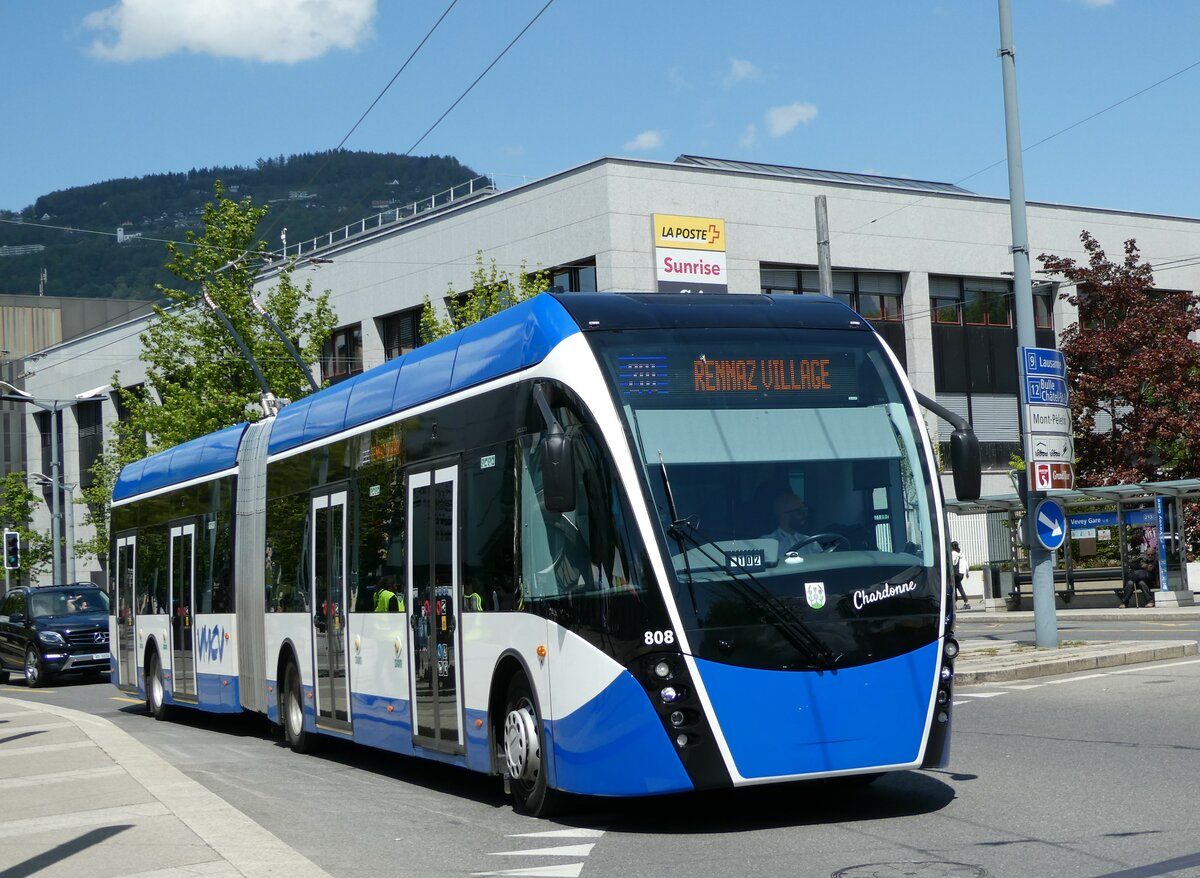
pixel 927 263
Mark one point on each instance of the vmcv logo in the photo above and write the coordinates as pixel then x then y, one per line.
pixel 210 643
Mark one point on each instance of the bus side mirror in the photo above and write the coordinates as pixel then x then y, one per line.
pixel 558 471
pixel 964 459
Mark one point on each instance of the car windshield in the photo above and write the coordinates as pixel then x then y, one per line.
pixel 67 602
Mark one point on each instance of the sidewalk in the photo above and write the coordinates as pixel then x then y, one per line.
pixel 1002 660
pixel 88 799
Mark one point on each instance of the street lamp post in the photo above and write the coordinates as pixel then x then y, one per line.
pixel 68 527
pixel 11 393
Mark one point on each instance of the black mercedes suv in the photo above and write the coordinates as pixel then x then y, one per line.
pixel 54 629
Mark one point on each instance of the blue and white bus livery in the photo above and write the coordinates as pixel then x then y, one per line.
pixel 569 509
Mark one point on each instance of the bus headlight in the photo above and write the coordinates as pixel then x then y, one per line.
pixel 947 673
pixel 662 669
pixel 669 694
pixel 951 648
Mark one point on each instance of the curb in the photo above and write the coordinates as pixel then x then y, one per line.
pixel 973 667
pixel 235 839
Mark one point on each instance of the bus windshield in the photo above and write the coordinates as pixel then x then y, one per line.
pixel 791 485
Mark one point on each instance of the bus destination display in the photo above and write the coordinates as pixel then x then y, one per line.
pixel 694 375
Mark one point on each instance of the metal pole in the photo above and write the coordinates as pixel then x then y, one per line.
pixel 70 489
pixel 55 499
pixel 1041 561
pixel 824 266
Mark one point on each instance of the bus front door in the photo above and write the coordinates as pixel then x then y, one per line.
pixel 433 609
pixel 125 632
pixel 182 572
pixel 330 646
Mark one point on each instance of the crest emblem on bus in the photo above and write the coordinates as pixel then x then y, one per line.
pixel 814 592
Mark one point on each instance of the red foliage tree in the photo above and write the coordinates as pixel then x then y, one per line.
pixel 1130 360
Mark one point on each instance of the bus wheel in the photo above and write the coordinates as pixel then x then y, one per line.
pixel 291 711
pixel 156 693
pixel 523 753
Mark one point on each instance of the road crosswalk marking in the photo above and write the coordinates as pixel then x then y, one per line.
pixel 561 870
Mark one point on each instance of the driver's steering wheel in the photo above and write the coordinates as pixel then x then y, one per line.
pixel 830 541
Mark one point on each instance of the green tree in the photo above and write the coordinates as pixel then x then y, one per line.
pixel 197 379
pixel 17 502
pixel 1131 364
pixel 492 290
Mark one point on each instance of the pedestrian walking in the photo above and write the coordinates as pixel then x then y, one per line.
pixel 958 564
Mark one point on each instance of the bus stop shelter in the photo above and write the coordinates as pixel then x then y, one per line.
pixel 1146 517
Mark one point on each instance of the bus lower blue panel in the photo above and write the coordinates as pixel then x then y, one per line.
pixel 803 722
pixel 376 726
pixel 615 745
pixel 218 693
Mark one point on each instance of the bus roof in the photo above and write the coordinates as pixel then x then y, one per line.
pixel 599 311
pixel 514 339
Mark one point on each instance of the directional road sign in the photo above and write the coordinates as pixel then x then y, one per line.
pixel 1045 390
pixel 1051 524
pixel 1043 361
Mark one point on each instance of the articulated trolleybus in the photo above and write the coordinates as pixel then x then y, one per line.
pixel 560 546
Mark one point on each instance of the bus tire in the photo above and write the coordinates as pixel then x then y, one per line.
pixel 291 711
pixel 156 692
pixel 523 749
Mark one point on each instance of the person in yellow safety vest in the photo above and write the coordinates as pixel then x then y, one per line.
pixel 386 599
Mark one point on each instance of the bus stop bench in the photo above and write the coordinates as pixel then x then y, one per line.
pixel 1090 581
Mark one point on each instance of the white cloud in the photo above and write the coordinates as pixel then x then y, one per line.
pixel 740 71
pixel 644 141
pixel 270 31
pixel 749 136
pixel 781 120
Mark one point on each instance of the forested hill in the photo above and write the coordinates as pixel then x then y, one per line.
pixel 306 194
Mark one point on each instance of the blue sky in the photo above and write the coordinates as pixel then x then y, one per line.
pixel 97 89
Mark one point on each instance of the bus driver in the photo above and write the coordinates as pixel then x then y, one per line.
pixel 792 534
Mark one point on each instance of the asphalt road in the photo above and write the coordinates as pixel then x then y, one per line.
pixel 1091 775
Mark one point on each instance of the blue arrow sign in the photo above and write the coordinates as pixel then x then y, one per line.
pixel 1051 523
pixel 1043 361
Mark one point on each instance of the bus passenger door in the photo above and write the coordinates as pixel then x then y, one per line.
pixel 433 609
pixel 182 573
pixel 125 645
pixel 330 648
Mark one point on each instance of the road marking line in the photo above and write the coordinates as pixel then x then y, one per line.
pixel 570 850
pixel 561 833
pixel 78 819
pixel 35 780
pixel 45 748
pixel 127 700
pixel 980 694
pixel 570 870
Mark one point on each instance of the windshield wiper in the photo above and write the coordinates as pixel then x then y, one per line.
pixel 794 630
pixel 675 530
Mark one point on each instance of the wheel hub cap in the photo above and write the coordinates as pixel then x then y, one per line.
pixel 522 751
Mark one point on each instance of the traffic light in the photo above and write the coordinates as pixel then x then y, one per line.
pixel 12 550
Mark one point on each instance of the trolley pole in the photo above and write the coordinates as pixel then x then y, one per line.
pixel 1041 561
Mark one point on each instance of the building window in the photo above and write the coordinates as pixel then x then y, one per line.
pixel 1043 310
pixel 970 301
pixel 876 295
pixel 342 356
pixel 401 332
pixel 91 439
pixel 579 278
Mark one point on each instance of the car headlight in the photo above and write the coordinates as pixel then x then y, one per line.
pixel 51 638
